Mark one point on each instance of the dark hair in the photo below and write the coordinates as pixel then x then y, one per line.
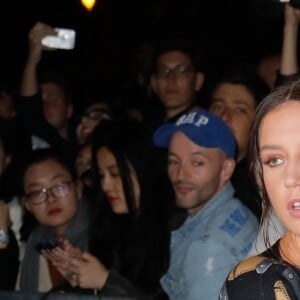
pixel 281 95
pixel 60 80
pixel 42 155
pixel 184 46
pixel 239 75
pixel 141 235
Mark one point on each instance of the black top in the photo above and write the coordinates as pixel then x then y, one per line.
pixel 245 189
pixel 263 277
pixel 9 264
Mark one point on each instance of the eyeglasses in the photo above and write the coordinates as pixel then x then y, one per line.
pixel 181 71
pixel 58 190
pixel 96 115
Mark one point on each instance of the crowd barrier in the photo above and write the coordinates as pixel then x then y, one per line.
pixel 13 295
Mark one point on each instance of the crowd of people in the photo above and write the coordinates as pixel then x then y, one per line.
pixel 194 195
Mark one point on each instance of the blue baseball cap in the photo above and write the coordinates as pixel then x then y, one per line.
pixel 203 128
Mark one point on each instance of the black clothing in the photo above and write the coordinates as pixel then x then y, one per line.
pixel 263 277
pixel 9 264
pixel 245 189
pixel 30 114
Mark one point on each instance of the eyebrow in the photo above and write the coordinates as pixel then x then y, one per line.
pixel 37 184
pixel 269 147
pixel 235 101
pixel 193 153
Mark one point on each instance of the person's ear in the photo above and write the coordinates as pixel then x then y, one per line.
pixel 199 81
pixel 228 169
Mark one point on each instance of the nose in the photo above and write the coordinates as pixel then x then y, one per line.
pixel 50 196
pixel 179 173
pixel 106 183
pixel 226 115
pixel 171 78
pixel 292 178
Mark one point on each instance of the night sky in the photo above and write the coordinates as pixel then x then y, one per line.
pixel 107 37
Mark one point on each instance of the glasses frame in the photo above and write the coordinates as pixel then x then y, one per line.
pixel 44 193
pixel 180 71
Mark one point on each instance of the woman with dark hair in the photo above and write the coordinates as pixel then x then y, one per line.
pixel 129 236
pixel 275 164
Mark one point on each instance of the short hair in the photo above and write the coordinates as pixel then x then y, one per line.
pixel 239 75
pixel 184 46
pixel 58 79
pixel 42 155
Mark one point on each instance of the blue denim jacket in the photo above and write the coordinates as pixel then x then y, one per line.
pixel 207 246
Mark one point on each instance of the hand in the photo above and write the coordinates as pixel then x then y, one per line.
pixel 291 15
pixel 35 36
pixel 78 268
pixel 4 216
pixel 91 273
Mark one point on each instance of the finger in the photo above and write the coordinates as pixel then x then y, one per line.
pixel 88 257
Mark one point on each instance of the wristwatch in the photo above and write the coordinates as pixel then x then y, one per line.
pixel 4 238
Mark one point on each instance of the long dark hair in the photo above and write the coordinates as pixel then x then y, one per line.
pixel 281 95
pixel 140 237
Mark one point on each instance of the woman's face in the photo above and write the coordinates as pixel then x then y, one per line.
pixel 279 146
pixel 92 116
pixel 83 160
pixel 51 195
pixel 111 181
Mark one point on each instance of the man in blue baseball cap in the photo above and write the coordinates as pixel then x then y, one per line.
pixel 219 230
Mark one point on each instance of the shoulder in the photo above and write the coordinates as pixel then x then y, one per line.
pixel 259 275
pixel 247 265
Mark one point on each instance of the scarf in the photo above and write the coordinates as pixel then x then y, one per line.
pixel 76 233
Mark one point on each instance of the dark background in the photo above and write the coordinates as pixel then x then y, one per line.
pixel 108 37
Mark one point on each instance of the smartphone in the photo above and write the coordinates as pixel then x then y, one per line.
pixel 47 245
pixel 65 39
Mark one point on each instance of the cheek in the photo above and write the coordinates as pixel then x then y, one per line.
pixel 272 182
pixel 39 212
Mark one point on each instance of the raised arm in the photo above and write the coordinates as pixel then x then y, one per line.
pixel 29 81
pixel 289 62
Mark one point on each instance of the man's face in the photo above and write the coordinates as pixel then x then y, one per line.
pixel 197 173
pixel 175 81
pixel 236 106
pixel 57 109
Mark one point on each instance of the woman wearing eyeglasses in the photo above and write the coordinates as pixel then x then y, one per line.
pixel 52 195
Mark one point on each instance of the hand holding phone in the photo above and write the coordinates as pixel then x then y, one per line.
pixel 65 39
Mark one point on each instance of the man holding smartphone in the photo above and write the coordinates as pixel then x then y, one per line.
pixel 51 94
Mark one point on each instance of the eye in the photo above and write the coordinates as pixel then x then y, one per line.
pixel 241 110
pixel 34 194
pixel 172 162
pixel 60 186
pixel 115 173
pixel 216 107
pixel 273 161
pixel 197 163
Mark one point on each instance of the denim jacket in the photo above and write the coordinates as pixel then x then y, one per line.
pixel 207 246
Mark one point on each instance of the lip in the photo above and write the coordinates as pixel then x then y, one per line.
pixel 183 188
pixel 111 199
pixel 294 212
pixel 54 211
